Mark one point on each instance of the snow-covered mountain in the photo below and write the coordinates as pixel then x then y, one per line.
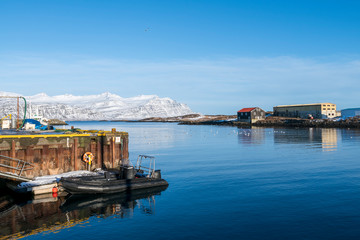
pixel 105 106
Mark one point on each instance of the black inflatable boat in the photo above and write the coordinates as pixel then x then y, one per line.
pixel 97 201
pixel 81 185
pixel 128 178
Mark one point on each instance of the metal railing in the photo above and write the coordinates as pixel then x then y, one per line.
pixel 15 167
pixel 148 171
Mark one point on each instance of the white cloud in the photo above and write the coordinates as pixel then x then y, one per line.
pixel 209 86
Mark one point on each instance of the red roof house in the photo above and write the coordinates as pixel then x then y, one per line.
pixel 250 115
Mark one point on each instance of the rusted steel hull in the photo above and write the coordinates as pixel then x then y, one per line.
pixel 56 154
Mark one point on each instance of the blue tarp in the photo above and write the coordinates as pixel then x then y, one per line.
pixel 38 125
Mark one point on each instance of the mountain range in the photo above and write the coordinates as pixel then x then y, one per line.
pixel 105 106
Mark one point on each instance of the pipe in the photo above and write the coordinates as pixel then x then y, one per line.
pixel 25 108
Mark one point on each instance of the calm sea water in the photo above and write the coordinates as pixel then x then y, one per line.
pixel 225 183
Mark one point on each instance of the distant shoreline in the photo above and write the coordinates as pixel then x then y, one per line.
pixel 291 124
pixel 230 120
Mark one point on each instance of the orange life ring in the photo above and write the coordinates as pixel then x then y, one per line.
pixel 88 157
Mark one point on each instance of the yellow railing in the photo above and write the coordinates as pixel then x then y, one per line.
pixel 8 116
pixel 80 133
pixel 45 135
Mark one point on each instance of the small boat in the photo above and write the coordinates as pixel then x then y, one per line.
pixel 126 179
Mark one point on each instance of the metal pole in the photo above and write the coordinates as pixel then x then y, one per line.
pixel 18 113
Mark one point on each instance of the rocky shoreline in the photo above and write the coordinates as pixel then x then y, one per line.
pixel 272 121
pixel 189 118
pixel 54 122
pixel 285 122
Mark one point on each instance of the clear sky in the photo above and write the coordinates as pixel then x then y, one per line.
pixel 215 56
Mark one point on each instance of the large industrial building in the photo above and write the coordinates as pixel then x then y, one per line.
pixel 350 112
pixel 316 110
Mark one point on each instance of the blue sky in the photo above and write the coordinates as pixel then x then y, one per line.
pixel 215 56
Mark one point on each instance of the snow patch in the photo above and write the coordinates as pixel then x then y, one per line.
pixel 43 180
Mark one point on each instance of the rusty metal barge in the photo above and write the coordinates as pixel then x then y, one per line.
pixel 26 155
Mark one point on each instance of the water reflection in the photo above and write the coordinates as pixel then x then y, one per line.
pixel 350 135
pixel 325 138
pixel 253 135
pixel 329 137
pixel 50 214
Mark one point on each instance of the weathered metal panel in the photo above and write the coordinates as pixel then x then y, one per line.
pixel 63 153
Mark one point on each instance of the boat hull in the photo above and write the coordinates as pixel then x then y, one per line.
pixel 103 186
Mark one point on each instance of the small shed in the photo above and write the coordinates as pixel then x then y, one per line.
pixel 250 115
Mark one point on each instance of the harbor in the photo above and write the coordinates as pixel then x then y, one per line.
pixel 179 120
pixel 244 176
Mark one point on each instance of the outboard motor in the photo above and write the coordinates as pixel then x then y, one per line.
pixel 129 173
pixel 107 175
